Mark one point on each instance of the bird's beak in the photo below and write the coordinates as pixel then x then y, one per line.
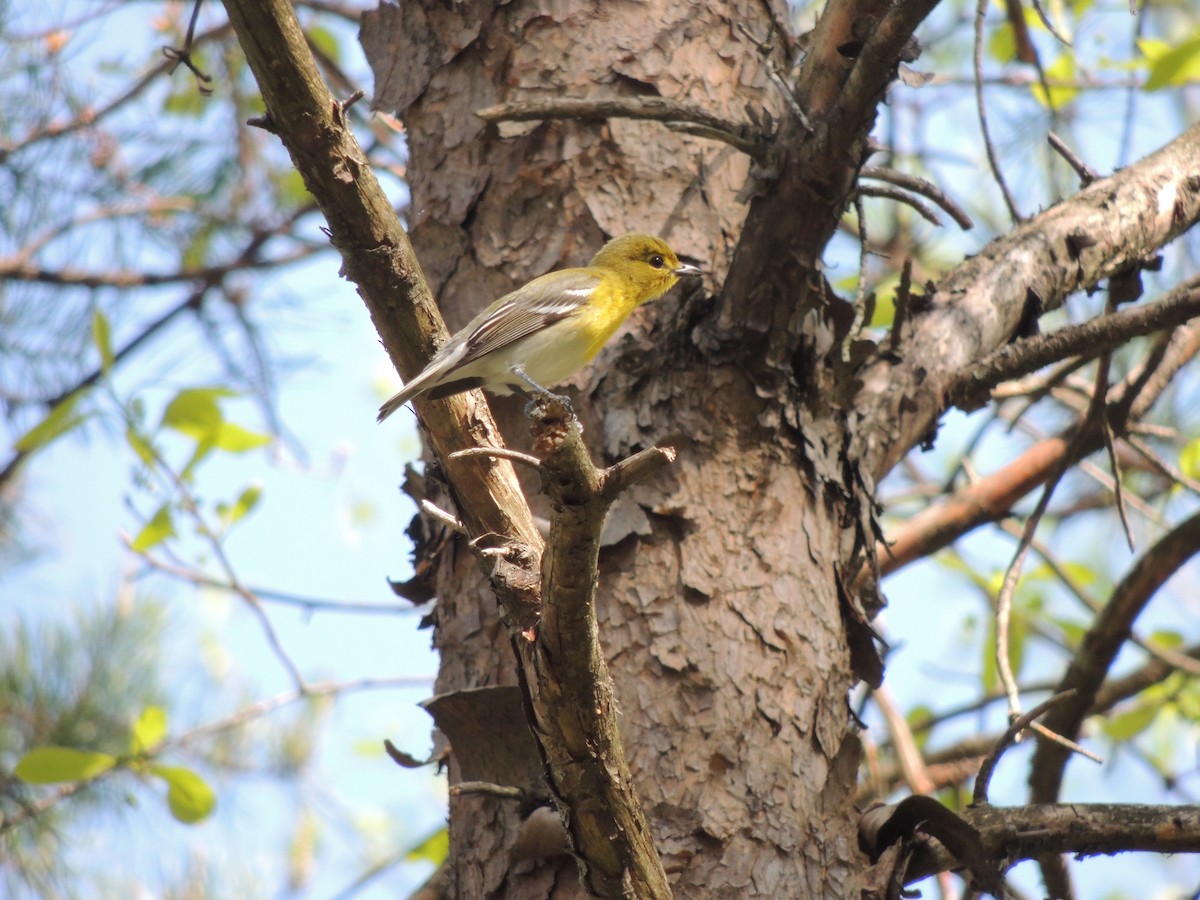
pixel 685 269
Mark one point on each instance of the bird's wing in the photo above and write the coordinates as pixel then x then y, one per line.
pixel 528 309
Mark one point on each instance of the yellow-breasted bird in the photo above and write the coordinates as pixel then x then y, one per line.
pixel 551 327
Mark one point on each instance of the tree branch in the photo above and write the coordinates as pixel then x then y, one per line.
pixel 993 497
pixel 1084 829
pixel 1100 646
pixel 968 389
pixel 1105 229
pixel 564 674
pixel 674 114
pixel 379 259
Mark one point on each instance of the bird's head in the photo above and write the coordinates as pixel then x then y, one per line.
pixel 645 263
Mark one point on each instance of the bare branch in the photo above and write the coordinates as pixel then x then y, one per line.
pixel 981 7
pixel 922 187
pixel 890 193
pixel 1122 219
pixel 565 677
pixel 1090 339
pixel 1100 646
pixel 658 109
pixel 984 778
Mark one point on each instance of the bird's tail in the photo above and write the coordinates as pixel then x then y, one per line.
pixel 398 399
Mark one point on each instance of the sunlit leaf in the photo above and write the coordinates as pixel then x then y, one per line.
pixel 1187 701
pixel 291 189
pixel 1061 70
pixel 149 730
pixel 188 795
pixel 51 765
pixel 203 448
pixel 1169 640
pixel 1179 65
pixel 158 529
pixel 246 501
pixel 1189 459
pixel 1002 44
pixel 434 848
pixel 102 338
pixel 61 419
pixel 186 101
pixel 194 412
pixel 140 446
pixel 235 439
pixel 1126 725
pixel 324 40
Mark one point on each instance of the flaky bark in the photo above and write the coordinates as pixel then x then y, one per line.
pixel 718 607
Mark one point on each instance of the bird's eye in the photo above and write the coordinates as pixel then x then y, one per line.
pixel 657 261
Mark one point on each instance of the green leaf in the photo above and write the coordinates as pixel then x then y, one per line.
pixel 61 419
pixel 1002 45
pixel 1017 633
pixel 434 848
pixel 1170 640
pixel 188 795
pixel 142 447
pixel 290 189
pixel 149 730
pixel 194 412
pixel 1189 459
pixel 203 448
pixel 102 338
pixel 1187 701
pixel 51 765
pixel 1179 65
pixel 1062 69
pixel 246 501
pixel 158 529
pixel 187 101
pixel 235 439
pixel 1130 724
pixel 325 42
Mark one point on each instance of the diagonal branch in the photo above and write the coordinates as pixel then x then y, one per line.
pixel 379 259
pixel 1100 646
pixel 992 497
pixel 1105 229
pixel 968 388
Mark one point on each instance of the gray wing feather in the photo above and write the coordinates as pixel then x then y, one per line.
pixel 541 302
pixel 528 309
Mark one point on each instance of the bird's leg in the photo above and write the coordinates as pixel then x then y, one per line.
pixel 537 394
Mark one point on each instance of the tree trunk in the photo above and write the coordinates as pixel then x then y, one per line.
pixel 718 603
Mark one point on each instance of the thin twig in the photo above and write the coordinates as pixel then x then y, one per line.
pixel 861 301
pixel 487 789
pixel 980 15
pixel 436 512
pixel 1085 172
pixel 988 766
pixel 1050 26
pixel 499 453
pixel 1164 467
pixel 183 54
pixel 786 91
pixel 308 604
pixel 1056 738
pixel 922 187
pixel 891 193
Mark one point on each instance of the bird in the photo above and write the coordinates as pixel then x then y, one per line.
pixel 548 329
